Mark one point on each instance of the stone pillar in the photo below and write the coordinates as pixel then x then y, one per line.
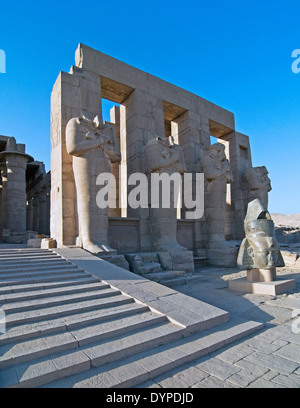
pixel 16 164
pixel 3 195
pixel 0 209
pixel 191 132
pixel 35 216
pixel 29 215
pixel 141 119
pixel 218 174
pixel 144 120
pixel 43 212
pixel 74 94
pixel 240 160
pixel 115 167
pixel 48 213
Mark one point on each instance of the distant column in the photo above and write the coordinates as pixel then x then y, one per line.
pixel 48 213
pixel 43 212
pixel 29 215
pixel 36 217
pixel 3 195
pixel 16 164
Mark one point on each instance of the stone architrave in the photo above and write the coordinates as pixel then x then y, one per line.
pixel 260 255
pixel 217 173
pixel 164 156
pixel 93 146
pixel 259 184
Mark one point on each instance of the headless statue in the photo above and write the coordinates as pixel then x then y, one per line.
pixel 164 156
pixel 217 173
pixel 93 146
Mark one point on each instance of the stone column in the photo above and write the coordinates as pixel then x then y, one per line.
pixel 0 208
pixel 191 132
pixel 48 213
pixel 29 215
pixel 43 212
pixel 115 167
pixel 16 164
pixel 36 217
pixel 3 195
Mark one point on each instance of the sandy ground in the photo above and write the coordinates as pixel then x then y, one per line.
pixel 290 220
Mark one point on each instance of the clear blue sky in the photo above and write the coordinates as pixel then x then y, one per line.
pixel 234 53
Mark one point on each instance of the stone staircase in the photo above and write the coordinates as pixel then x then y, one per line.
pixel 66 327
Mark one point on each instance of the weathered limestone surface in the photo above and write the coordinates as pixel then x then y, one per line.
pixel 92 145
pixel 13 175
pixel 150 108
pixel 259 184
pixel 259 254
pixel 164 156
pixel 218 174
pixel 21 180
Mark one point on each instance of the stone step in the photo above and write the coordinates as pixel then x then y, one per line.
pixel 24 252
pixel 135 370
pixel 73 321
pixel 125 361
pixel 35 267
pixel 49 271
pixel 45 293
pixel 171 283
pixel 13 354
pixel 48 368
pixel 28 257
pixel 47 285
pixel 23 306
pixel 47 278
pixel 65 310
pixel 162 276
pixel 6 260
pixel 183 280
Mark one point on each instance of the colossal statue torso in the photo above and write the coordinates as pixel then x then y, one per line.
pixel 93 146
pixel 217 173
pixel 164 156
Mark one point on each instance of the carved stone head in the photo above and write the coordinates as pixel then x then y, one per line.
pixel 215 164
pixel 259 250
pixel 257 178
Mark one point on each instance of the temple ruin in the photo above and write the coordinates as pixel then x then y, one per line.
pixel 147 108
pixel 24 194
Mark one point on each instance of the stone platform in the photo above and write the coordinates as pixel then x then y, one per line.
pixel 263 288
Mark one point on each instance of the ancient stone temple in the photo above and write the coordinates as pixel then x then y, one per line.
pixel 155 127
pixel 24 194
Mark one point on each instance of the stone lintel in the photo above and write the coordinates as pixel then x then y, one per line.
pixel 113 72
